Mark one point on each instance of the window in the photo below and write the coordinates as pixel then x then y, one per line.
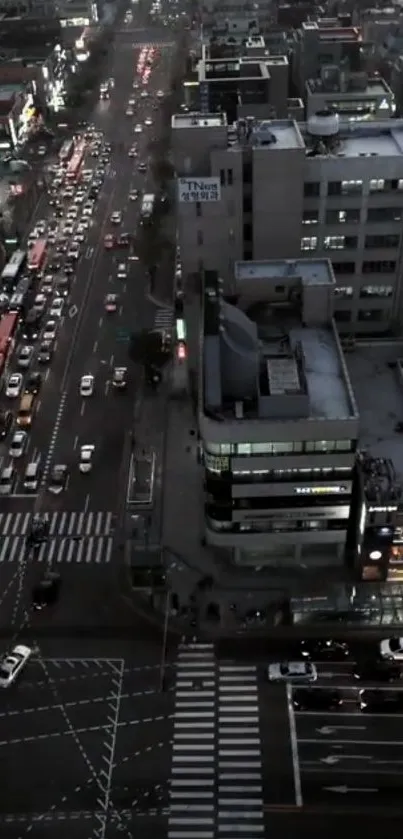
pixel 343 291
pixel 230 177
pixel 351 187
pixel 283 448
pixel 199 237
pixel 370 315
pixel 343 267
pixel 376 291
pixel 309 243
pixel 342 216
pixel 376 185
pixel 390 240
pixel 310 217
pixel 329 446
pixel 198 209
pixel 334 188
pixel 247 232
pixel 334 243
pixel 244 448
pixel 312 189
pixel 222 177
pixel 387 266
pixel 247 203
pixel 384 214
pixel 342 316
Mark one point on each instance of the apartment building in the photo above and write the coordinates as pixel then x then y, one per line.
pixel 275 190
pixel 277 418
pixel 324 42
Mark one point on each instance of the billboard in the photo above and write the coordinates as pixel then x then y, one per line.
pixel 200 190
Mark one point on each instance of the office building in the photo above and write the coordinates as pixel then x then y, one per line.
pixel 321 43
pixel 275 190
pixel 353 96
pixel 278 422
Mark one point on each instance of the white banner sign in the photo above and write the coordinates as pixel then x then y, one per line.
pixel 202 190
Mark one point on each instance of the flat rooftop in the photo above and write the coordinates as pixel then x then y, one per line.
pixel 269 133
pixel 374 87
pixel 197 120
pixel 382 139
pixel 311 271
pixel 379 395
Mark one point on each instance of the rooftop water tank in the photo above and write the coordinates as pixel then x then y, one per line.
pixel 324 124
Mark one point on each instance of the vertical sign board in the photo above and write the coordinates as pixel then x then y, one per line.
pixel 199 191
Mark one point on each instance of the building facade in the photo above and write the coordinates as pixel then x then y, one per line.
pixel 276 190
pixel 277 417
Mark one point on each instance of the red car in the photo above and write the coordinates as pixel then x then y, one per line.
pixel 109 242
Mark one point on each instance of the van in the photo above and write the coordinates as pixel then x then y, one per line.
pixel 32 476
pixel 7 477
pixel 25 411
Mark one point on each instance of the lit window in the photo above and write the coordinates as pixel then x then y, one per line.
pixel 334 243
pixel 348 187
pixel 376 291
pixel 343 291
pixel 309 243
pixel 376 185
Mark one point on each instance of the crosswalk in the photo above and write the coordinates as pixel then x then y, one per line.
pixel 60 524
pixel 216 787
pixel 164 318
pixel 80 550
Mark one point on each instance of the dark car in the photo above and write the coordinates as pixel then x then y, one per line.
pixel 46 591
pixel 69 267
pixel 33 383
pixel 55 264
pixel 316 699
pixel 123 240
pixel 63 286
pixel 325 650
pixel 32 325
pixel 376 670
pixel 45 352
pixel 6 421
pixel 380 701
pixel 39 530
pixel 58 478
pixel 93 193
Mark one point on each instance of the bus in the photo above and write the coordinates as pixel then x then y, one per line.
pixel 66 151
pixel 8 326
pixel 37 255
pixel 12 271
pixel 147 206
pixel 74 167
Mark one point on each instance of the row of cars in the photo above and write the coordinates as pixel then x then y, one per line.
pixel 379 665
pixel 65 231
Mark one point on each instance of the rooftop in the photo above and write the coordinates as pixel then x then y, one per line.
pixel 311 271
pixel 361 139
pixel 378 388
pixel 197 120
pixel 274 134
pixel 262 360
pixel 366 87
pixel 230 68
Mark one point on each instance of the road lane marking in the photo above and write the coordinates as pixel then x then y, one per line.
pixel 73 311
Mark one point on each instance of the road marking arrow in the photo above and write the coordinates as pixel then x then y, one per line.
pixel 73 311
pixel 328 729
pixel 344 789
pixel 331 760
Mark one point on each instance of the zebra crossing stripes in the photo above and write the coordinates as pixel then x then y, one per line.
pixel 164 319
pixel 240 787
pixel 192 787
pixel 60 524
pixel 85 550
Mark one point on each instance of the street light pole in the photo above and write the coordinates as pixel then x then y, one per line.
pixel 164 642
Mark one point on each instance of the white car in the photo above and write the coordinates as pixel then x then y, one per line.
pixel 144 94
pixel 122 271
pixel 138 129
pixel 47 284
pixel 68 229
pixel 292 671
pixel 25 357
pixel 56 308
pixel 14 386
pixel 12 663
pixel 129 112
pixel 72 213
pixel 87 385
pixel 87 211
pixel 148 121
pixel 392 648
pixel 116 217
pixel 40 303
pixel 49 332
pixel 160 94
pixel 86 453
pixel 18 444
pixel 73 251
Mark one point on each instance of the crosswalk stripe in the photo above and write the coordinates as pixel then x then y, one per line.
pixel 60 524
pixel 163 319
pixel 93 549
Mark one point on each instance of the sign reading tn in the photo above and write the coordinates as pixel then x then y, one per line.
pixel 192 191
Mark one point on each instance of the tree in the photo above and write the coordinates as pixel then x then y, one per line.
pixel 162 170
pixel 148 349
pixel 149 246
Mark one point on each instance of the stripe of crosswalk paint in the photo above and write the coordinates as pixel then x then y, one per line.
pixel 95 549
pixel 60 524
